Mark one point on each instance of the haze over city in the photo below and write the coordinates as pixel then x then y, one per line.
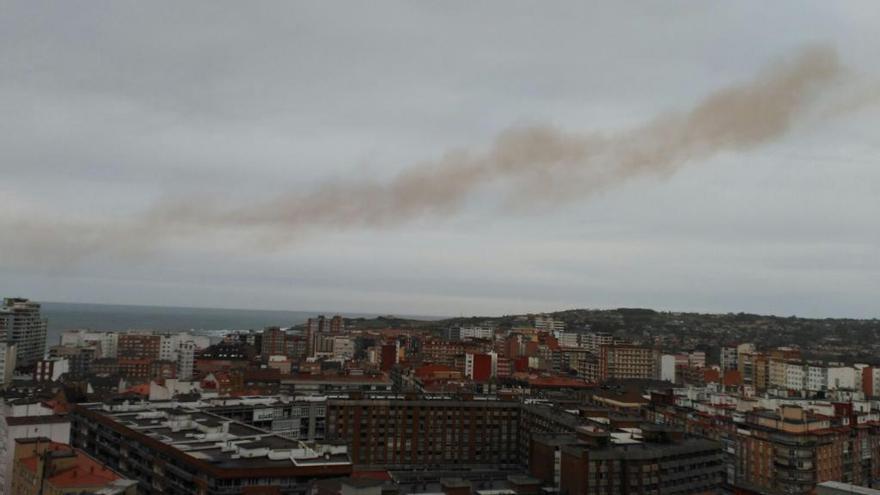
pixel 409 158
pixel 440 248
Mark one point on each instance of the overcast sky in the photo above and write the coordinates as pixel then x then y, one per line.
pixel 108 107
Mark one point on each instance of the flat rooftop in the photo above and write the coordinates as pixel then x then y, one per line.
pixel 223 443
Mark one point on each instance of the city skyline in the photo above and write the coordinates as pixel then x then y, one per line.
pixel 111 111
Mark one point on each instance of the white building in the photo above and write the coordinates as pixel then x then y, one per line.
pixel 795 377
pixel 667 367
pixel 169 345
pixel 485 332
pixel 569 339
pixel 817 378
pixel 185 360
pixel 841 377
pixel 546 323
pixel 7 363
pixel 875 374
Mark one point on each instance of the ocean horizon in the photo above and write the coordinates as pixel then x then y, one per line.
pixel 123 317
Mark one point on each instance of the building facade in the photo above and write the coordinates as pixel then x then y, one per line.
pixel 624 361
pixel 193 452
pixel 22 324
pixel 399 433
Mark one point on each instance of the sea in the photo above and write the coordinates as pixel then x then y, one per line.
pixel 213 322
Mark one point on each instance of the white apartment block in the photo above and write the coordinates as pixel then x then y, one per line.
pixel 168 346
pixel 795 377
pixel 841 377
pixel 546 323
pixel 171 344
pixel 817 378
pixel 569 339
pixel 485 332
pixel 186 360
pixel 667 367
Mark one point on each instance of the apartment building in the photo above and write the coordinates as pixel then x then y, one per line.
pixel 79 357
pixel 106 342
pixel 22 324
pixel 50 369
pixel 189 451
pixel 594 341
pixel 624 361
pixel 781 446
pixel 659 461
pixel 139 346
pixel 444 352
pixel 401 434
pixel 544 323
pixel 273 343
pixel 186 360
pixel 7 363
pixel 727 358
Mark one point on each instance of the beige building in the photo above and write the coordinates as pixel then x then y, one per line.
pixel 624 361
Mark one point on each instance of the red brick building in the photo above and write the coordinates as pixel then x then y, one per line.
pixel 139 346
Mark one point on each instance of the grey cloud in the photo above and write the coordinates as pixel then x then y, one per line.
pixel 107 108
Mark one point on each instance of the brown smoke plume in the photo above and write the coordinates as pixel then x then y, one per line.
pixel 533 161
pixel 542 157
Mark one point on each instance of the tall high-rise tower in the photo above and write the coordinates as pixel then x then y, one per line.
pixel 22 324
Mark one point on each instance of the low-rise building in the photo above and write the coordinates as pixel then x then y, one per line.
pixel 44 467
pixel 647 460
pixel 185 451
